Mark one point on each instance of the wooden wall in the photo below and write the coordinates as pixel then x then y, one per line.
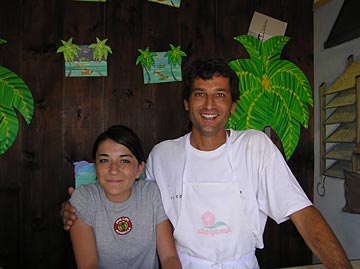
pixel 70 112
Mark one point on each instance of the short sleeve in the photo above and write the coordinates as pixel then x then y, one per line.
pixel 81 199
pixel 280 194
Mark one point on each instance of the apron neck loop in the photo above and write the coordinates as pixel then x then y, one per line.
pixel 228 150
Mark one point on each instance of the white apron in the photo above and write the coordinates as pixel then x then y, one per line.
pixel 212 230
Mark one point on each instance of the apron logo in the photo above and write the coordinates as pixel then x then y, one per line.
pixel 211 226
pixel 122 225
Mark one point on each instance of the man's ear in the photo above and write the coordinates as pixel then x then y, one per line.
pixel 233 107
pixel 186 105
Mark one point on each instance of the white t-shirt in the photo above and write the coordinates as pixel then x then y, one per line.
pixel 268 186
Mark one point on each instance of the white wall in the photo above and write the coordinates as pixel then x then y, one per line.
pixel 328 66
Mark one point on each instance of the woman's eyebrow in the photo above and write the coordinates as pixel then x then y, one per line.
pixel 121 155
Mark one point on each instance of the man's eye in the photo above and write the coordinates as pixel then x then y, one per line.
pixel 220 95
pixel 125 161
pixel 198 94
pixel 103 161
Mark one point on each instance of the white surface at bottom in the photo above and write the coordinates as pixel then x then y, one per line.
pixel 354 263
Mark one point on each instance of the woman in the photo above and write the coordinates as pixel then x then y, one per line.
pixel 121 221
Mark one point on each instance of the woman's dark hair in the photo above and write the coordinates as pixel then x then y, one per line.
pixel 206 69
pixel 124 136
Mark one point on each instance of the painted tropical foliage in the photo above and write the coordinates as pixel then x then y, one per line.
pixel 70 51
pixel 173 3
pixel 146 60
pixel 174 58
pixel 273 92
pixel 100 50
pixel 14 94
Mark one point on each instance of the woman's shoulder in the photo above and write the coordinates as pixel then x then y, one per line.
pixel 170 145
pixel 147 186
pixel 86 191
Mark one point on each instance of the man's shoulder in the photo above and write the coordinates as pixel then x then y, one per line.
pixel 247 134
pixel 170 144
pixel 146 184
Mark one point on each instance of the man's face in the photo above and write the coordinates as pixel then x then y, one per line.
pixel 210 105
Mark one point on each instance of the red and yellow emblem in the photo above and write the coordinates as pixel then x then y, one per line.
pixel 122 225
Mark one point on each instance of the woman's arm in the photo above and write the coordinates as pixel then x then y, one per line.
pixel 166 246
pixel 84 245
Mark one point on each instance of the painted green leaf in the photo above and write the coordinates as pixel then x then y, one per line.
pixel 146 60
pixel 174 58
pixel 70 51
pixel 273 92
pixel 101 50
pixel 14 93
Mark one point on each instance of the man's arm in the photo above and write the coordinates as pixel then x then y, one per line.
pixel 320 238
pixel 68 212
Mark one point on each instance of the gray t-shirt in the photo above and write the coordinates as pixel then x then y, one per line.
pixel 125 232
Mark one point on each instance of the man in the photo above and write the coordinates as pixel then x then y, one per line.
pixel 219 186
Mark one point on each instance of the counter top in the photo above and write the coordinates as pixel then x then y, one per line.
pixel 354 263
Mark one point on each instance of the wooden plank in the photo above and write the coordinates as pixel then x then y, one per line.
pixel 342 115
pixel 125 94
pixel 83 97
pixel 164 115
pixel 42 170
pixel 10 229
pixel 342 99
pixel 345 133
pixel 343 151
pixel 15 158
pixel 225 31
pixel 337 169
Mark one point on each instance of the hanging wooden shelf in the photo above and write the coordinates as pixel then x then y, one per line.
pixel 340 123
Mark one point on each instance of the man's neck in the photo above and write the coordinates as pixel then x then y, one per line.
pixel 207 143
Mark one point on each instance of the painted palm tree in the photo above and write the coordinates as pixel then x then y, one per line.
pixel 273 92
pixel 146 59
pixel 14 94
pixel 70 51
pixel 174 57
pixel 100 51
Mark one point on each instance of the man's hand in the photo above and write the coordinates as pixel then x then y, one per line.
pixel 68 212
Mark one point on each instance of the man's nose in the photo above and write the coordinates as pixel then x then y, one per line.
pixel 209 102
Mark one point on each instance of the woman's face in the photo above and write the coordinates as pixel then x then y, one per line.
pixel 116 170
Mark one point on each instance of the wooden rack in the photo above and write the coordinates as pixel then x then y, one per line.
pixel 340 123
